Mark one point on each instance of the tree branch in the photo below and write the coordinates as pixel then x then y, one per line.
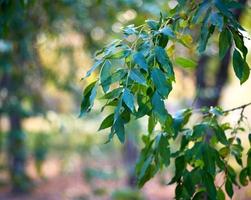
pixel 238 108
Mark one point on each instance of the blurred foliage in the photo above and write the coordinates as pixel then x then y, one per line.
pixel 127 194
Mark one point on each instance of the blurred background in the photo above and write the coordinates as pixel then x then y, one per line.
pixel 46 150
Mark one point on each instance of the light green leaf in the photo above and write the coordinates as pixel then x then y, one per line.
pixel 136 76
pixel 159 109
pixel 105 73
pixel 185 62
pixel 217 20
pixel 220 194
pixel 153 24
pixel 113 94
pixel 128 99
pixel 140 60
pixel 167 32
pixel 95 66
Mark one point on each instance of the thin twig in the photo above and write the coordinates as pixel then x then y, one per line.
pixel 237 108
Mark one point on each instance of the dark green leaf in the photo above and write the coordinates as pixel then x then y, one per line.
pixel 229 188
pixel 180 166
pixel 243 176
pixel 151 123
pixel 160 82
pixel 239 43
pixel 88 98
pixel 163 149
pixel 225 42
pixel 107 122
pixel 241 68
pixel 208 181
pixel 221 136
pixel 119 129
pixel 164 61
pixel 208 158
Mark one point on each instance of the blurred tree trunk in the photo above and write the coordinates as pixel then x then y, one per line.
pixel 210 95
pixel 17 155
pixel 130 155
pixel 11 81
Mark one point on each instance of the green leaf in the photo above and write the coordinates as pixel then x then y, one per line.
pixel 105 73
pixel 208 158
pixel 164 61
pixel 241 68
pixel 113 94
pixel 95 66
pixel 119 129
pixel 163 149
pixel 185 62
pixel 140 60
pixel 122 53
pixel 243 176
pixel 217 20
pixel 159 109
pixel 239 43
pixel 180 166
pixel 229 188
pixel 116 76
pixel 199 195
pixel 180 119
pixel 225 42
pixel 205 33
pixel 220 194
pixel 136 76
pixel 151 123
pixel 153 24
pixel 89 95
pixel 107 122
pixel 221 136
pixel 208 181
pixel 249 163
pixel 224 152
pixel 160 82
pixel 167 32
pixel 128 99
